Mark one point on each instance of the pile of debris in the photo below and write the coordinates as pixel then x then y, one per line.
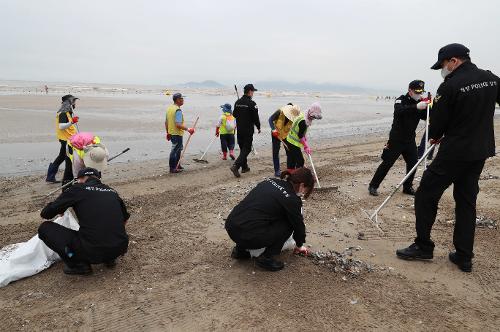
pixel 341 262
pixel 483 222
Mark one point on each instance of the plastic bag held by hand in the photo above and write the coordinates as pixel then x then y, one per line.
pixel 168 137
pixel 422 105
pixel 190 131
pixel 217 131
pixel 275 133
pixel 75 119
pixel 307 149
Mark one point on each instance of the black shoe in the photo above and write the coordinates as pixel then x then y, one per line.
pixel 245 170
pixel 238 253
pixel 268 263
pixel 235 171
pixel 78 269
pixel 414 252
pixel 409 191
pixel 463 264
pixel 373 191
pixel 110 264
pixel 180 167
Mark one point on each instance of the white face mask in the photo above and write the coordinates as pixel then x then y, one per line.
pixel 416 96
pixel 445 72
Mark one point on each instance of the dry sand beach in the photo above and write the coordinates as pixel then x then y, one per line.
pixel 177 274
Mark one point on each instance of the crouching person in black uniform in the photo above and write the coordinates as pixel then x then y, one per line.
pixel 462 120
pixel 102 216
pixel 408 111
pixel 268 216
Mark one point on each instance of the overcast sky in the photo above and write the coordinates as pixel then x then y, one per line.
pixel 374 44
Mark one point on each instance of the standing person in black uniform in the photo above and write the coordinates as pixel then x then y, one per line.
pixel 408 111
pixel 247 116
pixel 268 216
pixel 462 121
pixel 102 216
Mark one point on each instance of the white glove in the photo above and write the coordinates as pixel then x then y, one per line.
pixel 422 105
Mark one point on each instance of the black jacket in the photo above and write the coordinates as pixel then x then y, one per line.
pixel 463 113
pixel 406 119
pixel 270 201
pixel 101 214
pixel 247 115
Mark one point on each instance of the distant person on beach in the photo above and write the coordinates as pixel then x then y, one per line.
pixel 101 214
pixel 174 126
pixel 225 131
pixel 65 128
pixel 46 89
pixel 409 109
pixel 247 117
pixel 462 123
pixel 296 139
pixel 268 216
pixel 281 122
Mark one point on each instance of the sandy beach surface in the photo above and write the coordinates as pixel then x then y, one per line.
pixel 178 275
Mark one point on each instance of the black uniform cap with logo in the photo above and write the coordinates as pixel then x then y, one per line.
pixel 417 86
pixel 88 171
pixel 450 51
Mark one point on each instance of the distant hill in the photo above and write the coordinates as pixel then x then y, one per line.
pixel 323 87
pixel 209 84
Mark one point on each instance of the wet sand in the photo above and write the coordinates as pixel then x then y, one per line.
pixel 178 274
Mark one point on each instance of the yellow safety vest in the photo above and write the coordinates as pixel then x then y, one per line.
pixel 293 135
pixel 81 153
pixel 280 125
pixel 172 128
pixel 65 134
pixel 223 129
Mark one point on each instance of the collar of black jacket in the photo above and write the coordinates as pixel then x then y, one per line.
pixel 464 66
pixel 407 96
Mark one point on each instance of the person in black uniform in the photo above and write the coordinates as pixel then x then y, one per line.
pixel 408 111
pixel 268 216
pixel 102 216
pixel 247 116
pixel 462 121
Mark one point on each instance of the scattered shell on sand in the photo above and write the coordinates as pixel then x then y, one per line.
pixel 341 262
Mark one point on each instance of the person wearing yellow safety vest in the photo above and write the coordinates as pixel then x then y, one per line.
pixel 281 122
pixel 65 128
pixel 88 151
pixel 225 130
pixel 296 139
pixel 174 125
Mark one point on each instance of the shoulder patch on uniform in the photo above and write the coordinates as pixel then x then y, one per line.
pixel 398 101
pixel 436 99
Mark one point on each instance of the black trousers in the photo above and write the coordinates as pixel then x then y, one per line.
pixel 272 237
pixel 464 175
pixel 245 142
pixel 68 167
pixel 227 142
pixel 64 241
pixel 276 153
pixel 391 153
pixel 62 154
pixel 294 157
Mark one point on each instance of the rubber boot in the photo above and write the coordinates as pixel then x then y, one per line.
pixel 231 154
pixel 224 155
pixel 51 174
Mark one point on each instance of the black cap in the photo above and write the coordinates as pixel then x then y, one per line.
pixel 68 97
pixel 249 87
pixel 417 86
pixel 177 96
pixel 88 171
pixel 449 51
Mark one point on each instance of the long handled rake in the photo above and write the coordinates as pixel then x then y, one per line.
pixel 374 216
pixel 201 160
pixel 187 144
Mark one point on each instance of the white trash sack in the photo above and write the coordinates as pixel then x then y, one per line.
pixel 21 260
pixel 289 245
